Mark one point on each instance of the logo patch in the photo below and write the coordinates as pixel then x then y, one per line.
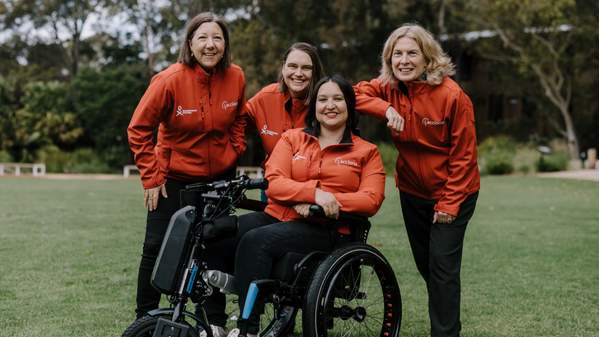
pixel 346 162
pixel 430 122
pixel 181 111
pixel 266 131
pixel 226 105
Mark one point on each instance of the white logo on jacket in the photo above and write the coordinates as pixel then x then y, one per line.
pixel 225 105
pixel 298 156
pixel 430 122
pixel 181 111
pixel 347 162
pixel 266 131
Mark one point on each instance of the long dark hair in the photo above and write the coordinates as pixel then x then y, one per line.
pixel 317 69
pixel 350 102
pixel 185 55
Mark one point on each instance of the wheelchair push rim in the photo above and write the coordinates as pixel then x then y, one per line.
pixel 354 292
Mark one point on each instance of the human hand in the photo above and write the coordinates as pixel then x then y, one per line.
pixel 302 209
pixel 442 217
pixel 151 196
pixel 394 119
pixel 328 202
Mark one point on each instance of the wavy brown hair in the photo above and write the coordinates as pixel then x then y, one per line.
pixel 438 64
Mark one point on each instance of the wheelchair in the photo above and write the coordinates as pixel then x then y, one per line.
pixel 349 291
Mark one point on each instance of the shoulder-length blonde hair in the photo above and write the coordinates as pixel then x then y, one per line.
pixel 438 64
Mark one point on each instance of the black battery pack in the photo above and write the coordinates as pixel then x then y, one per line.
pixel 166 328
pixel 171 261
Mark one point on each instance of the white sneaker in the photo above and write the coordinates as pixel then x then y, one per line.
pixel 217 331
pixel 233 333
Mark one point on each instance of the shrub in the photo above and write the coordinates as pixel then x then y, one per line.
pixel 53 157
pixel 79 161
pixel 5 157
pixel 86 161
pixel 496 155
pixel 389 155
pixel 557 161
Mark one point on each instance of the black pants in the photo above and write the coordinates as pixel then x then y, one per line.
pixel 157 221
pixel 437 250
pixel 260 247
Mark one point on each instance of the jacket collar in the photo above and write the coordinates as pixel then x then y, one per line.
pixel 290 103
pixel 345 140
pixel 203 75
pixel 412 88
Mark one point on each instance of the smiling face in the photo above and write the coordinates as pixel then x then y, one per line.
pixel 297 73
pixel 331 108
pixel 407 60
pixel 208 45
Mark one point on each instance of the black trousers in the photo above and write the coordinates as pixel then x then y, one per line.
pixel 157 221
pixel 270 240
pixel 437 250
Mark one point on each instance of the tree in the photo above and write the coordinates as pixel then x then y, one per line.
pixel 64 19
pixel 104 102
pixel 536 37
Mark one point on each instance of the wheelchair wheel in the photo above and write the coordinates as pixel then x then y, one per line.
pixel 145 326
pixel 354 290
pixel 275 321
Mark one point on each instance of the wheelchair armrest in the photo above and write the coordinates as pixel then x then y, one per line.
pixel 359 224
pixel 350 219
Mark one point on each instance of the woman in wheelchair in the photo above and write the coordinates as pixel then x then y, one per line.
pixel 325 164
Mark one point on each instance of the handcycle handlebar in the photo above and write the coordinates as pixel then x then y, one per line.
pixel 243 182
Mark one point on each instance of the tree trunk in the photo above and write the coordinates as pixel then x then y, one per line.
pixel 571 138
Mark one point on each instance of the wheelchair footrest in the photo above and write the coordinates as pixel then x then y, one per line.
pixel 166 328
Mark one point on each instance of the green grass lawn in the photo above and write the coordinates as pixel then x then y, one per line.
pixel 69 252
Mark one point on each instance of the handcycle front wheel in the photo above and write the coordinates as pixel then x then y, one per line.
pixel 145 326
pixel 353 292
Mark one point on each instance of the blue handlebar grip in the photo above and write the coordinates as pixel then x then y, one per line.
pixel 250 299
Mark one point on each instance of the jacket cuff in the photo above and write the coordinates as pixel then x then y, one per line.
pixel 451 210
pixel 153 182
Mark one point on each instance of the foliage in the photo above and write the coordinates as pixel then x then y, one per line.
pixel 73 91
pixel 536 37
pixel 104 102
pixel 83 160
pixel 496 155
pixel 45 118
pixel 5 157
pixel 556 161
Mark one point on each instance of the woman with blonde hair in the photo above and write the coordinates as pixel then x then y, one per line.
pixel 436 170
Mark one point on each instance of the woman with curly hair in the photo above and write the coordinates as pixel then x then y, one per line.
pixel 436 171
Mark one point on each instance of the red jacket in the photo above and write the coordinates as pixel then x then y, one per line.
pixel 352 171
pixel 274 112
pixel 437 149
pixel 200 131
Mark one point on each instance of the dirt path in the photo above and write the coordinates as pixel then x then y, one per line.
pixel 592 175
